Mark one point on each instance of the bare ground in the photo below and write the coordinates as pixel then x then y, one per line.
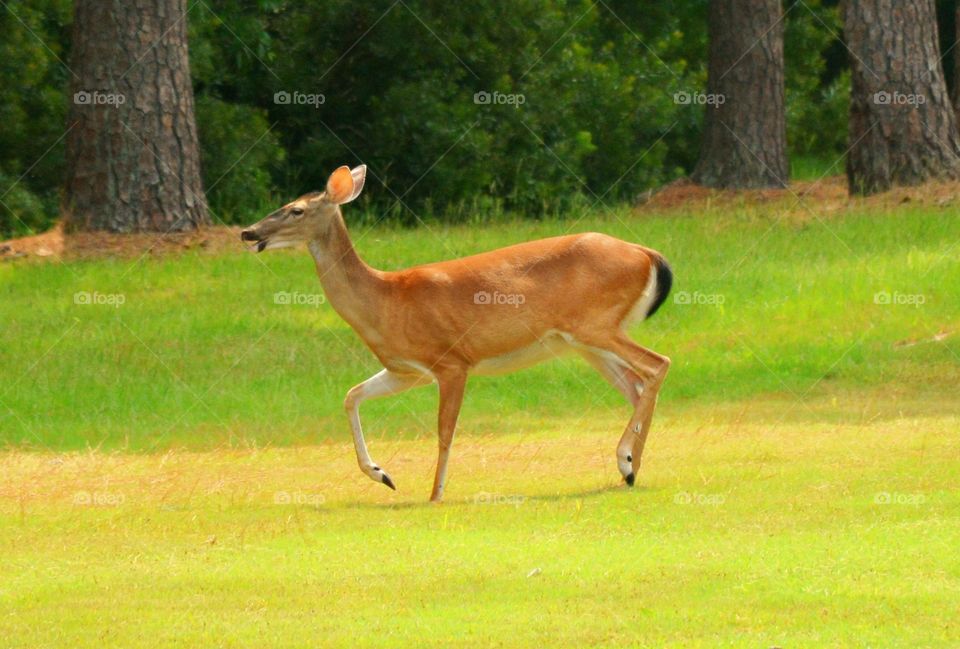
pixel 56 244
pixel 826 196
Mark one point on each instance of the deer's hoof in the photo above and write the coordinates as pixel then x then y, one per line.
pixel 387 481
pixel 629 479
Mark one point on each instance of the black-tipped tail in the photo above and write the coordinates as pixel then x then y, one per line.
pixel 664 282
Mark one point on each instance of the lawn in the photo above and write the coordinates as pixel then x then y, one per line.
pixel 196 351
pixel 177 470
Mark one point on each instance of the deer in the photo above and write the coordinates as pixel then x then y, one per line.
pixel 485 314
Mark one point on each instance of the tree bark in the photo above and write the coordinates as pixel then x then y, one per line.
pixel 903 130
pixel 745 134
pixel 956 60
pixel 133 160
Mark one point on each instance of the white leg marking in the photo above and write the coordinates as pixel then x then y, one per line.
pixel 382 384
pixel 615 370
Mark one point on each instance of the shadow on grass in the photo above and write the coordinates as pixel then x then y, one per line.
pixel 477 500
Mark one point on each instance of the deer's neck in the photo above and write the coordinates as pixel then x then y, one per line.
pixel 354 289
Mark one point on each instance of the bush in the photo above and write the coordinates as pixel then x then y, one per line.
pixel 239 155
pixel 527 103
pixel 817 98
pixel 23 212
pixel 32 113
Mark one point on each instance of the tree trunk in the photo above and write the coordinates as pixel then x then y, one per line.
pixel 903 130
pixel 745 134
pixel 132 154
pixel 956 60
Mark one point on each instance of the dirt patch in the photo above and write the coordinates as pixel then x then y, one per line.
pixel 684 194
pixel 826 195
pixel 798 201
pixel 56 244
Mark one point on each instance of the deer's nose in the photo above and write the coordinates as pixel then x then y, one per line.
pixel 249 235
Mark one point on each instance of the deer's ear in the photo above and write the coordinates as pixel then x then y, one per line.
pixel 345 185
pixel 340 186
pixel 359 174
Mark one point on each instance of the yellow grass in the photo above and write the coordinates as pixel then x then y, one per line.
pixel 742 533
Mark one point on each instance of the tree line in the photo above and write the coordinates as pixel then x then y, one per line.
pixel 902 124
pixel 163 115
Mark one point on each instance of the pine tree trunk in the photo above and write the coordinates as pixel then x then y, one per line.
pixel 956 61
pixel 744 138
pixel 903 130
pixel 132 154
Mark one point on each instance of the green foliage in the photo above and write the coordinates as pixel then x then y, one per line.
pixel 571 105
pixel 581 109
pixel 239 149
pixel 24 211
pixel 817 124
pixel 817 102
pixel 32 112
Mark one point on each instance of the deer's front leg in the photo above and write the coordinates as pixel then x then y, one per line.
pixel 452 384
pixel 381 384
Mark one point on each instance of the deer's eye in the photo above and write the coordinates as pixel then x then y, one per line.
pixel 297 211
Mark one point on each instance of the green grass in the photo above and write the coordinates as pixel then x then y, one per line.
pixel 798 488
pixel 740 534
pixel 815 167
pixel 200 355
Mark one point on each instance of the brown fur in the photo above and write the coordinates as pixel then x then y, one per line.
pixel 432 321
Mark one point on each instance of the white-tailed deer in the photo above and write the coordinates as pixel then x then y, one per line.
pixel 489 313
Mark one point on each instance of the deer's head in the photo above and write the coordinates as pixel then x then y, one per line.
pixel 309 216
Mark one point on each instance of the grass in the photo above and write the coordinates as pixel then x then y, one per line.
pixel 177 470
pixel 815 167
pixel 743 533
pixel 200 355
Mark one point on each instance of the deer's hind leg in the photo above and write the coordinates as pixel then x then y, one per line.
pixel 637 373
